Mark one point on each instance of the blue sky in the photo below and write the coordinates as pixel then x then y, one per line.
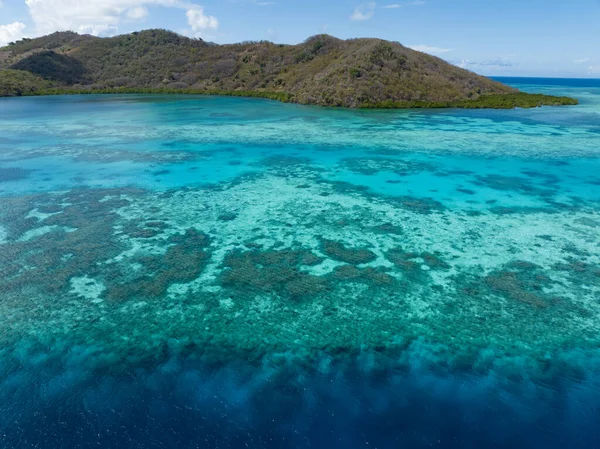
pixel 492 37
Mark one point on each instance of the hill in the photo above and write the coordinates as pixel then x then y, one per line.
pixel 323 70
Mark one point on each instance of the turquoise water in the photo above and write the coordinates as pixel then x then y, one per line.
pixel 227 272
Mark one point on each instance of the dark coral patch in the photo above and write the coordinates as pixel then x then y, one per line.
pixel 406 260
pixel 585 221
pixel 13 174
pixel 434 262
pixel 57 256
pixel 182 262
pixel 274 271
pixel 228 216
pixel 516 184
pixel 369 276
pixel 580 272
pixel 142 233
pixel 339 252
pixel 371 166
pixel 50 208
pixel 423 206
pixel 388 228
pixel 80 240
pixel 506 210
pixel 281 161
pixel 519 281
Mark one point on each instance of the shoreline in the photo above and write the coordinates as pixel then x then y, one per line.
pixel 491 101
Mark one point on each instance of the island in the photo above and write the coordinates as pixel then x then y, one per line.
pixel 323 70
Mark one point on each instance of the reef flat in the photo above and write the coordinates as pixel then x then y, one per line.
pixel 243 272
pixel 312 268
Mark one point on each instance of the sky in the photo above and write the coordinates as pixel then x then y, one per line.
pixel 552 38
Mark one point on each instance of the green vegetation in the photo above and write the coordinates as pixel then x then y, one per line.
pixel 82 90
pixel 489 101
pixel 498 101
pixel 54 66
pixel 365 73
pixel 49 42
pixel 15 83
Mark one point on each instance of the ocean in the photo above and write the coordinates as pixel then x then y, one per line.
pixel 215 272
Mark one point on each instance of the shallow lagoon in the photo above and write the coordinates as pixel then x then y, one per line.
pixel 226 272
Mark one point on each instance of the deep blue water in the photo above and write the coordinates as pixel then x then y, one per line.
pixel 199 272
pixel 566 82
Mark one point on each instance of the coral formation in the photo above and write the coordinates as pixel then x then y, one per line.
pixel 338 251
pixel 294 253
pixel 13 174
pixel 275 271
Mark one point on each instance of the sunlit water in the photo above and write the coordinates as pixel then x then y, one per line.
pixel 183 272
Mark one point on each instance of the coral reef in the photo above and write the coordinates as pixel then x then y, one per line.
pixel 308 249
pixel 371 166
pixel 182 262
pixel 338 251
pixel 275 271
pixel 13 174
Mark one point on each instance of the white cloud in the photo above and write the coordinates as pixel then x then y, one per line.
pixel 594 70
pixel 11 32
pixel 103 29
pixel 430 49
pixel 498 63
pixel 364 12
pixel 581 60
pixel 403 5
pixel 271 34
pixel 98 17
pixel 137 13
pixel 200 22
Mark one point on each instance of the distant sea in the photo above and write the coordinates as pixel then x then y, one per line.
pixel 214 272
pixel 565 82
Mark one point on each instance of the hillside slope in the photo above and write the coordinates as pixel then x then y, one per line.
pixel 323 70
